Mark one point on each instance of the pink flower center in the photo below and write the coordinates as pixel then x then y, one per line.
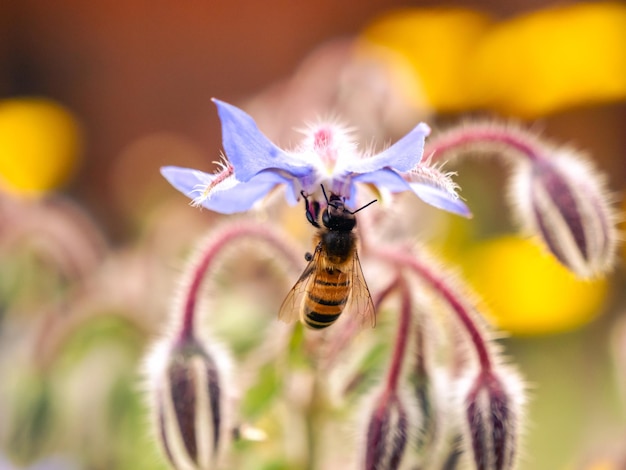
pixel 324 146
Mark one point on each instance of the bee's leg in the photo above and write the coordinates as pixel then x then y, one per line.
pixel 312 210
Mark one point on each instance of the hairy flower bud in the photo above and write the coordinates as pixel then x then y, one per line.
pixel 387 433
pixel 563 200
pixel 428 387
pixel 492 412
pixel 428 425
pixel 188 401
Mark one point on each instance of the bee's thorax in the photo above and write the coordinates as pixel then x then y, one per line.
pixel 338 246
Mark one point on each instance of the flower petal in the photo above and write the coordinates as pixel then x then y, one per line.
pixel 433 195
pixel 441 199
pixel 249 151
pixel 387 179
pixel 402 156
pixel 228 196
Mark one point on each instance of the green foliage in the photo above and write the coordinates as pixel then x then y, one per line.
pixel 32 418
pixel 103 330
pixel 260 396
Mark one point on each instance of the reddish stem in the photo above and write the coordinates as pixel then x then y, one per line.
pixel 216 244
pixel 351 328
pixel 488 134
pixel 438 283
pixel 402 338
pixel 383 294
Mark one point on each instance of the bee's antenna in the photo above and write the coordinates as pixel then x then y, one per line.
pixel 326 197
pixel 350 212
pixel 324 193
pixel 363 207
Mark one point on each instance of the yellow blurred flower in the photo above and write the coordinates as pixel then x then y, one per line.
pixel 528 66
pixel 528 291
pixel 553 59
pixel 39 145
pixel 438 43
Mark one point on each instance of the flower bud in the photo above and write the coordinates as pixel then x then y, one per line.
pixel 426 406
pixel 563 200
pixel 492 412
pixel 428 389
pixel 386 433
pixel 188 403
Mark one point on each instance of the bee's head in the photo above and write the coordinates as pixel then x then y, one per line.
pixel 337 217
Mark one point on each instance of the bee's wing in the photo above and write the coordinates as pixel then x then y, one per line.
pixel 361 303
pixel 290 308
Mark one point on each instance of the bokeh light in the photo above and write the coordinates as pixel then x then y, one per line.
pixel 527 291
pixel 40 145
pixel 553 59
pixel 530 65
pixel 439 44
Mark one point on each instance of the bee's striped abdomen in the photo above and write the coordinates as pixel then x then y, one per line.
pixel 326 298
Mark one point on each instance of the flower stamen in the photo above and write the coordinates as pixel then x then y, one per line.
pixel 227 170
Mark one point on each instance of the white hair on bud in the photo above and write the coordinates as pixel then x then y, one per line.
pixel 160 401
pixel 582 234
pixel 512 425
pixel 404 419
pixel 539 214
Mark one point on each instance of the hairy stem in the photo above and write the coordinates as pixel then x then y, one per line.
pixel 482 136
pixel 402 337
pixel 208 253
pixel 350 329
pixel 442 286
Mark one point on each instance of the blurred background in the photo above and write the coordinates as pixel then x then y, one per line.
pixel 95 97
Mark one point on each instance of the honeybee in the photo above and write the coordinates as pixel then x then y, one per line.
pixel 333 278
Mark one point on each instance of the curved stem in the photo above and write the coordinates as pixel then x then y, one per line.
pixel 350 329
pixel 208 253
pixel 402 337
pixel 482 135
pixel 438 283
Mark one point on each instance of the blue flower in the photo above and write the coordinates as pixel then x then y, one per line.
pixel 326 156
